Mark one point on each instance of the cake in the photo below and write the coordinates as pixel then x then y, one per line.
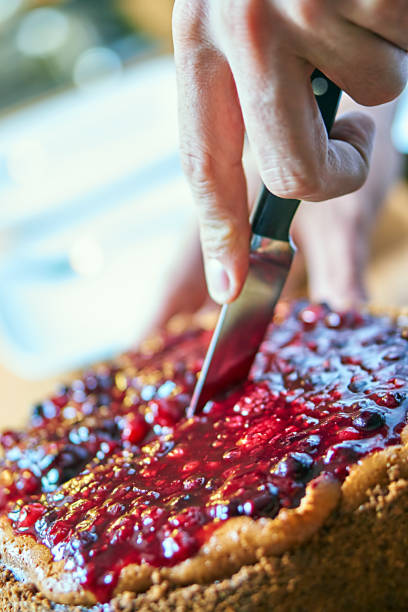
pixel 288 492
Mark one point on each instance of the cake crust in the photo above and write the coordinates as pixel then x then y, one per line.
pixel 355 531
pixel 355 562
pixel 378 483
pixel 238 541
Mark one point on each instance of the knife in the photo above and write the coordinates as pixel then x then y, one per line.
pixel 242 324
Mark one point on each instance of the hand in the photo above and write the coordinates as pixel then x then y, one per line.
pixel 245 65
pixel 332 237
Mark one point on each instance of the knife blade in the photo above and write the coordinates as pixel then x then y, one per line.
pixel 242 324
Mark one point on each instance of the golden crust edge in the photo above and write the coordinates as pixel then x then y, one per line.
pixel 256 538
pixel 239 541
pixel 23 555
pixel 242 540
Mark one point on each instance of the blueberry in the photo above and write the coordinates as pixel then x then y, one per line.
pixel 368 420
pixel 399 396
pixel 262 504
pixel 295 465
pixel 358 386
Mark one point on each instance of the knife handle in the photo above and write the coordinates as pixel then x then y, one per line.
pixel 272 215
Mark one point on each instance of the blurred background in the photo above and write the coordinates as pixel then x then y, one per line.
pixel 93 201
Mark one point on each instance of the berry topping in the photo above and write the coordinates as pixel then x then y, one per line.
pixel 29 516
pixel 143 484
pixel 112 406
pixel 135 428
pixel 368 420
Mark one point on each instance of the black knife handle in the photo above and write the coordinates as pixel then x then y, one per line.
pixel 272 215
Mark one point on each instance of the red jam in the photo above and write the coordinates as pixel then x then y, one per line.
pixel 326 389
pixel 112 407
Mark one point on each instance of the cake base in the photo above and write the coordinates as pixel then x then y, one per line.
pixel 356 562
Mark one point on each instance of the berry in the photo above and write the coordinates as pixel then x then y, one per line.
pixel 135 429
pixel 326 389
pixel 368 420
pixel 29 515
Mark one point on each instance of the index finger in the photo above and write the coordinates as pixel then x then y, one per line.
pixel 212 134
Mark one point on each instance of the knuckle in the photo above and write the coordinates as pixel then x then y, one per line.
pixel 219 226
pixel 199 166
pixel 304 183
pixel 219 234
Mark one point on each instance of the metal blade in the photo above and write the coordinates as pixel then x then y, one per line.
pixel 242 325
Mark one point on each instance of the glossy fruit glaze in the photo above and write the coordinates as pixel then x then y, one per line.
pixel 111 407
pixel 327 388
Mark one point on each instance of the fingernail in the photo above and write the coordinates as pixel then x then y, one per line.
pixel 218 281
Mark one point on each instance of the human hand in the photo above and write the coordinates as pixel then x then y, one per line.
pixel 332 237
pixel 245 65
